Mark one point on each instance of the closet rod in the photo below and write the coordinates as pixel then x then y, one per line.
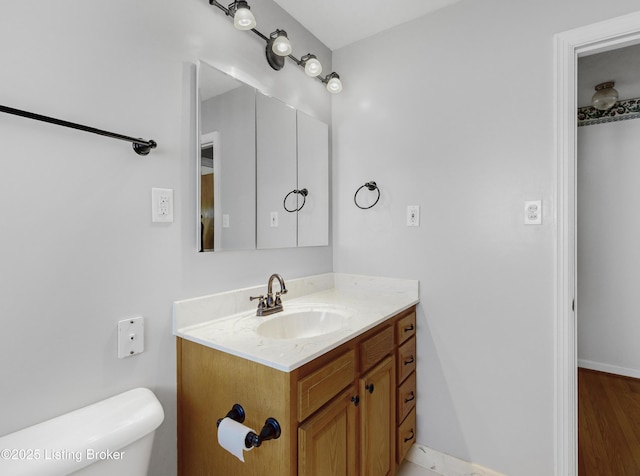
pixel 141 146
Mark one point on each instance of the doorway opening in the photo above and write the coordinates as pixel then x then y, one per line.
pixel 607 256
pixel 599 37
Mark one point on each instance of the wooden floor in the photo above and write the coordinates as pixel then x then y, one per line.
pixel 608 424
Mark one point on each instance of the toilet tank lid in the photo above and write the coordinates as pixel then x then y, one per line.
pixel 107 425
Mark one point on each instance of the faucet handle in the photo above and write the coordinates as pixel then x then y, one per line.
pixel 261 304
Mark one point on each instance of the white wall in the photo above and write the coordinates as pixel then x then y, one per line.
pixel 79 251
pixel 454 112
pixel 608 252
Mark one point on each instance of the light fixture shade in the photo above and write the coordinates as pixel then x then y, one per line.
pixel 281 45
pixel 311 65
pixel 605 96
pixel 334 85
pixel 243 19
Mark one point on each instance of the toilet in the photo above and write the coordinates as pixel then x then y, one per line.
pixel 110 437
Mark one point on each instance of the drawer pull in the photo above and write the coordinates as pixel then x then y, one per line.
pixel 369 387
pixel 355 400
pixel 411 398
pixel 410 328
pixel 410 360
pixel 411 437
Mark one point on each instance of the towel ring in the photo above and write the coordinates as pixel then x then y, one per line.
pixel 304 192
pixel 371 186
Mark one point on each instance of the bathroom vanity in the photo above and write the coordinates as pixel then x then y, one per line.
pixel 343 391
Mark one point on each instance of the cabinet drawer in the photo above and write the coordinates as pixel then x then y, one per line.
pixel 406 327
pixel 406 397
pixel 406 359
pixel 318 388
pixel 375 348
pixel 406 436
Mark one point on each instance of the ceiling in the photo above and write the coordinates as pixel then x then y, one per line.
pixel 331 21
pixel 621 65
pixel 337 23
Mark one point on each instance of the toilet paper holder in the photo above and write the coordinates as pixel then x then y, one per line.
pixel 270 431
pixel 236 413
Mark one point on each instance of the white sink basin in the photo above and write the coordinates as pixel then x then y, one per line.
pixel 303 323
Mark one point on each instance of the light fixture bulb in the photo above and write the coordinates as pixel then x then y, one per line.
pixel 311 65
pixel 243 19
pixel 281 45
pixel 605 96
pixel 334 85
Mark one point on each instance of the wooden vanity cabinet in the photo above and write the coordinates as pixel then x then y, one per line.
pixel 377 420
pixel 406 383
pixel 340 413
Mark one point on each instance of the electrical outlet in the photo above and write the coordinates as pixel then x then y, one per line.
pixel 162 205
pixel 533 212
pixel 130 337
pixel 225 220
pixel 413 215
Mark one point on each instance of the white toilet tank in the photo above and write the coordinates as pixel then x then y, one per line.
pixel 109 438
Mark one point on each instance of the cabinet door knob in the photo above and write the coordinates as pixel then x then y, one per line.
pixel 355 400
pixel 412 397
pixel 411 437
pixel 369 387
pixel 408 361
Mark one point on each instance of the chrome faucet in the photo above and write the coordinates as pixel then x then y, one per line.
pixel 269 305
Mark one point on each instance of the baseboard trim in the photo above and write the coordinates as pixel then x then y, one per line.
pixel 444 464
pixel 612 369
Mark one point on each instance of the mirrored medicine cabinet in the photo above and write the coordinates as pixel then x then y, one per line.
pixel 263 169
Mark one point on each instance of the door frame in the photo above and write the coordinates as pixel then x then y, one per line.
pixel 595 38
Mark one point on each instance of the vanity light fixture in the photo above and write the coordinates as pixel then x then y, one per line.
pixel 311 65
pixel 278 45
pixel 243 19
pixel 334 85
pixel 605 96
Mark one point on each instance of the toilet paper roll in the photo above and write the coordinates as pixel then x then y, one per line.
pixel 231 436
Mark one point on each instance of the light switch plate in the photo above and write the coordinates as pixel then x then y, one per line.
pixel 413 215
pixel 130 337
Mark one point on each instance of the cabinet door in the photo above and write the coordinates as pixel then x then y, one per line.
pixel 377 420
pixel 327 441
pixel 313 174
pixel 276 173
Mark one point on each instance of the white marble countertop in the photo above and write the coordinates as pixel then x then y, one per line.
pixel 227 321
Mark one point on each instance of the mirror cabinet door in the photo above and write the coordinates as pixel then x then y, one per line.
pixel 255 155
pixel 226 183
pixel 313 175
pixel 276 173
